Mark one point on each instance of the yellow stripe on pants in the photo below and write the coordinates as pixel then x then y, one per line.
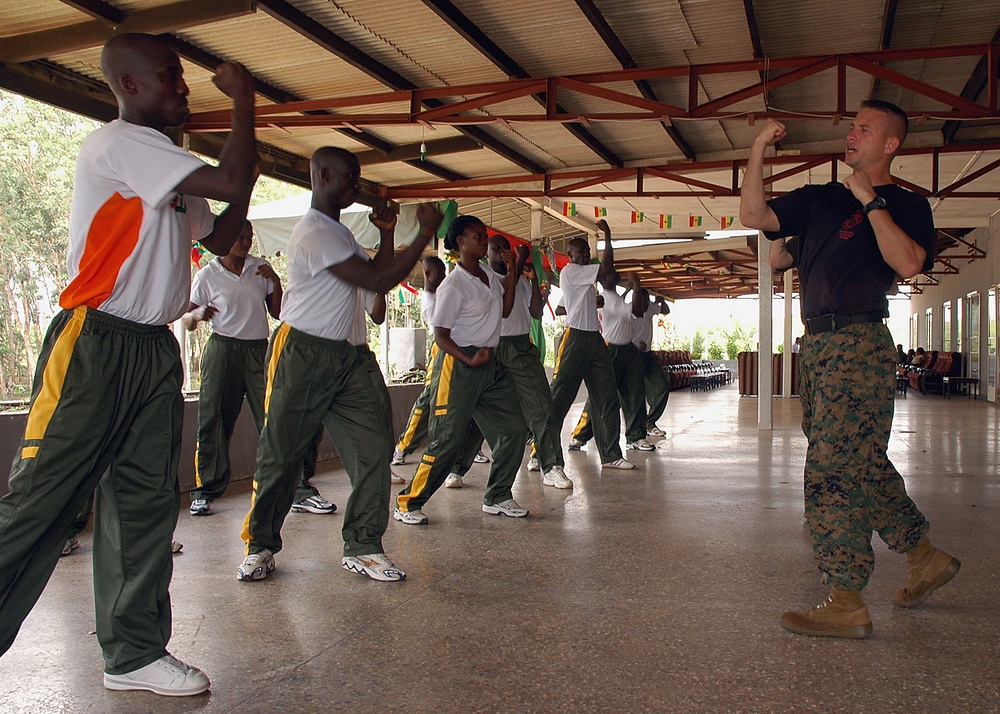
pixel 444 386
pixel 559 353
pixel 277 346
pixel 53 379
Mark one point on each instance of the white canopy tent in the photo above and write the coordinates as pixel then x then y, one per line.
pixel 273 223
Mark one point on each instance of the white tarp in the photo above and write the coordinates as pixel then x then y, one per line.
pixel 273 223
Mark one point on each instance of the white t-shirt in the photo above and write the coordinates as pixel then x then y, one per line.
pixel 130 233
pixel 616 322
pixel 579 295
pixel 238 299
pixel 642 327
pixel 316 301
pixel 365 305
pixel 519 320
pixel 427 302
pixel 469 309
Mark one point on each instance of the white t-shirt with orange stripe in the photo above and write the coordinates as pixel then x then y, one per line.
pixel 130 233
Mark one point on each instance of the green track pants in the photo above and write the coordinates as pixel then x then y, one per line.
pixel 105 414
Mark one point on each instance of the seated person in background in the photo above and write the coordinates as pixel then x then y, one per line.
pixel 919 359
pixel 900 355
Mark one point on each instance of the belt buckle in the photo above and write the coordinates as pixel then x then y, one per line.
pixel 836 324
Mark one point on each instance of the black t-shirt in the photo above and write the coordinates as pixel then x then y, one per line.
pixel 841 269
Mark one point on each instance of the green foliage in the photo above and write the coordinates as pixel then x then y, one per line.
pixel 739 339
pixel 38 149
pixel 697 345
pixel 715 351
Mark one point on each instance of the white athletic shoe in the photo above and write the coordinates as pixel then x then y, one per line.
pixel 314 504
pixel 556 477
pixel 534 464
pixel 620 464
pixel 510 508
pixel 410 518
pixel 655 431
pixel 376 566
pixel 481 458
pixel 167 676
pixel 256 566
pixel 395 478
pixel 453 481
pixel 576 445
pixel 398 458
pixel 640 445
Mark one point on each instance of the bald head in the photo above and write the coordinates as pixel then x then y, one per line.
pixel 335 175
pixel 147 79
pixel 332 158
pixel 124 54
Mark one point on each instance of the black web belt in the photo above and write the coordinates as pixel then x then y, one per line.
pixel 832 322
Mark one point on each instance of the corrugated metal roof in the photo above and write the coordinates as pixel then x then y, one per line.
pixel 550 38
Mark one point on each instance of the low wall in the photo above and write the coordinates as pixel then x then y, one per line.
pixel 242 448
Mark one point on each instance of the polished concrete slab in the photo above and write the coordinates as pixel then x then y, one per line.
pixel 656 590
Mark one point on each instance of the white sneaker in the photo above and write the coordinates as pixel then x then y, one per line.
pixel 655 431
pixel 256 566
pixel 314 504
pixel 534 464
pixel 201 507
pixel 376 566
pixel 510 507
pixel 481 458
pixel 167 676
pixel 576 445
pixel 620 464
pixel 398 458
pixel 640 445
pixel 556 477
pixel 410 518
pixel 395 478
pixel 453 481
pixel 69 546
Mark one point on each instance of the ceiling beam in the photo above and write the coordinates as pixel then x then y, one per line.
pixel 60 87
pixel 208 61
pixel 77 93
pixel 557 184
pixel 405 152
pixel 621 53
pixel 461 24
pixel 98 9
pixel 973 89
pixel 328 40
pixel 94 33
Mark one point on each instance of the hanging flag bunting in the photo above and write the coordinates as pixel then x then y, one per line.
pixel 637 216
pixel 569 209
pixel 694 221
pixel 666 221
pixel 599 211
pixel 727 221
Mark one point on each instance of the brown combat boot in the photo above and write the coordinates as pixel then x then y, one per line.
pixel 928 569
pixel 843 614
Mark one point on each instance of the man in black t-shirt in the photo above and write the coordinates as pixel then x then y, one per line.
pixel 853 240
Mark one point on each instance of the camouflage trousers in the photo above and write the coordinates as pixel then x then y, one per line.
pixel 851 487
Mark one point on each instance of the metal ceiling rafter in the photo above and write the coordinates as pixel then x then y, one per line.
pixel 324 37
pixel 461 23
pixel 624 57
pixel 985 71
pixel 549 183
pixel 885 37
pixel 207 60
pixel 486 94
pixel 98 9
pixel 94 33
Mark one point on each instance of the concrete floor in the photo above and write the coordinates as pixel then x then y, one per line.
pixel 656 590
